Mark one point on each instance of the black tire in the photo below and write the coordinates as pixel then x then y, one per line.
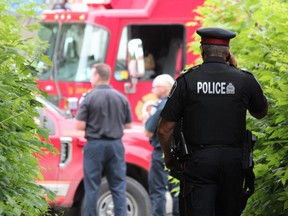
pixel 138 201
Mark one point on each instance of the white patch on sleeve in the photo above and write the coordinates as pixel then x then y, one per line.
pixel 173 89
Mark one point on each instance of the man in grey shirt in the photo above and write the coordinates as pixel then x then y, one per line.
pixel 104 113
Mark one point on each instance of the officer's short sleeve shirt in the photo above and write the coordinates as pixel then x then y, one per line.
pixel 175 104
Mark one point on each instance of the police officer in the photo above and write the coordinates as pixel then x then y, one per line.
pixel 103 114
pixel 213 99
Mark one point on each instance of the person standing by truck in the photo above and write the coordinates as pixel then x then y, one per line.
pixel 103 114
pixel 158 176
pixel 212 99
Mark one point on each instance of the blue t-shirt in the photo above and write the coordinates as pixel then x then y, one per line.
pixel 151 124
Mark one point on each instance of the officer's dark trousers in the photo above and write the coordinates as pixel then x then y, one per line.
pixel 212 183
pixel 104 156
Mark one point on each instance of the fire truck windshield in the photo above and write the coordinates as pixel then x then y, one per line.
pixel 74 47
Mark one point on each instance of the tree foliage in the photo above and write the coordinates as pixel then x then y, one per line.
pixel 19 140
pixel 261 47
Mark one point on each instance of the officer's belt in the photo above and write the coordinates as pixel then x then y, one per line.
pixel 102 138
pixel 107 138
pixel 202 147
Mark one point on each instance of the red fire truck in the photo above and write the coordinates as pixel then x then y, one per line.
pixel 139 39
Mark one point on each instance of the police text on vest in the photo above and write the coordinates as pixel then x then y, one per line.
pixel 215 88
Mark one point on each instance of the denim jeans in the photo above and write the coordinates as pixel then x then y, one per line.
pixel 158 185
pixel 108 157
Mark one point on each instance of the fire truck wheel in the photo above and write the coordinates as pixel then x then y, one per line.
pixel 138 201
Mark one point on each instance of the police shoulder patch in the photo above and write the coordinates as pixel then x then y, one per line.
pixel 84 95
pixel 194 67
pixel 172 89
pixel 245 71
pixel 185 71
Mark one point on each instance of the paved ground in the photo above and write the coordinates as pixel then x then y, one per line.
pixel 74 212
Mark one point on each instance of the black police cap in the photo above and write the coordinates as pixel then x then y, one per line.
pixel 215 36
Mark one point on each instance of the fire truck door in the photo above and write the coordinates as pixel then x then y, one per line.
pixel 49 161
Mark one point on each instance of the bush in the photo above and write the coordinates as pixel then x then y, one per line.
pixel 19 140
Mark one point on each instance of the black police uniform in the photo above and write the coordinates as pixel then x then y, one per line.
pixel 213 98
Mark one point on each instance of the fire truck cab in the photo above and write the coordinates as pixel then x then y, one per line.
pixel 139 39
pixel 86 32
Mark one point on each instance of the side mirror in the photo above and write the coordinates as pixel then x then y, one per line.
pixel 43 121
pixel 136 66
pixel 71 106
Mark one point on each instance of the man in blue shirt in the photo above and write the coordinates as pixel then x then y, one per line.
pixel 158 177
